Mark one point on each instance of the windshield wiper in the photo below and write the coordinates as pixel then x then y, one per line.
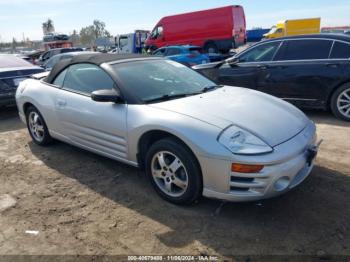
pixel 210 88
pixel 166 97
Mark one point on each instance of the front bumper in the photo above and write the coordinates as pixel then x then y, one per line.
pixel 274 179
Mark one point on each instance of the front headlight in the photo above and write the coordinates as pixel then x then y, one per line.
pixel 240 141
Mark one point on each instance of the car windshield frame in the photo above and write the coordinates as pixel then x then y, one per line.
pixel 165 79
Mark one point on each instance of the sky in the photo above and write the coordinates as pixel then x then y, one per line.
pixel 18 17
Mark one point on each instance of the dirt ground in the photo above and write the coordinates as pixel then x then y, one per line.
pixel 81 203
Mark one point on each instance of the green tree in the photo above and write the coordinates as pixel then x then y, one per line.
pixel 89 34
pixel 48 27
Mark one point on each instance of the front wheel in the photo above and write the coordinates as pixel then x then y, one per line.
pixel 340 102
pixel 37 127
pixel 174 172
pixel 211 48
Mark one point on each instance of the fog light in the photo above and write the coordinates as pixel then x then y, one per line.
pixel 282 183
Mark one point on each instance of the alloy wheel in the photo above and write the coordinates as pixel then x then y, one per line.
pixel 343 103
pixel 169 173
pixel 36 126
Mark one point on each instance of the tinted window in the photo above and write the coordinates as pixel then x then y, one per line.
pixel 157 32
pixel 340 50
pixel 173 51
pixel 194 51
pixel 52 61
pixel 60 78
pixel 160 31
pixel 304 49
pixel 86 78
pixel 160 52
pixel 260 53
pixel 46 55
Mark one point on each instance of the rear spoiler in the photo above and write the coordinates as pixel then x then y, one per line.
pixel 40 76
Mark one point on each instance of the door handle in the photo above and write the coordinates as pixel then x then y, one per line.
pixel 332 65
pixel 61 103
pixel 262 67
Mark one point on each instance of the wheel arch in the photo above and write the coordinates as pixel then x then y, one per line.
pixel 26 105
pixel 152 136
pixel 334 89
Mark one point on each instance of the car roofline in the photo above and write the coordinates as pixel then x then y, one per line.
pixel 329 36
pixel 134 59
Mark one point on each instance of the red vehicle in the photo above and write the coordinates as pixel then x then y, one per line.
pixel 57 44
pixel 214 30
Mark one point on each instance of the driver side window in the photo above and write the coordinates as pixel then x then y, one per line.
pixel 261 53
pixel 157 32
pixel 60 78
pixel 86 78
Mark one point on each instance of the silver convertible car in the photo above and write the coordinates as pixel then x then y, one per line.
pixel 192 137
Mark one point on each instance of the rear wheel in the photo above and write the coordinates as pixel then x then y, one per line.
pixel 340 102
pixel 174 172
pixel 37 127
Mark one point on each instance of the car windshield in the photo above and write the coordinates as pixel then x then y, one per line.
pixel 272 30
pixel 157 80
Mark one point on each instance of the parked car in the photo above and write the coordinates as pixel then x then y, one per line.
pixel 192 137
pixel 24 57
pixel 187 55
pixel 49 64
pixel 52 52
pixel 55 37
pixel 13 70
pixel 218 29
pixel 311 71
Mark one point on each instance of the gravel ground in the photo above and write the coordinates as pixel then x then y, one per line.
pixel 74 202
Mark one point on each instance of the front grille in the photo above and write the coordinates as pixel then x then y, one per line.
pixel 239 189
pixel 241 179
pixel 247 182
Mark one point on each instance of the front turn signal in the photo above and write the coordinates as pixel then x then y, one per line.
pixel 242 168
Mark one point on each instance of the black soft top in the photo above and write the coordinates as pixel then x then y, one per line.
pixel 90 58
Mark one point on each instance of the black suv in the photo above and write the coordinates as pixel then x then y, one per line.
pixel 309 71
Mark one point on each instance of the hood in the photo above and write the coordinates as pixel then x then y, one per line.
pixel 271 119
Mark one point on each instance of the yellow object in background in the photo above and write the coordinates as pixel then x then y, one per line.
pixel 295 27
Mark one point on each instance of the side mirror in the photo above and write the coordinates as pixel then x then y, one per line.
pixel 106 95
pixel 232 52
pixel 232 61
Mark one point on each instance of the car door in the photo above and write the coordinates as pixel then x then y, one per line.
pixel 96 126
pixel 248 66
pixel 301 72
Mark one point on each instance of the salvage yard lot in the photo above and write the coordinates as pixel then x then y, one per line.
pixel 81 203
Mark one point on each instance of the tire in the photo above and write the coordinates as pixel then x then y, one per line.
pixel 340 102
pixel 37 127
pixel 185 182
pixel 211 47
